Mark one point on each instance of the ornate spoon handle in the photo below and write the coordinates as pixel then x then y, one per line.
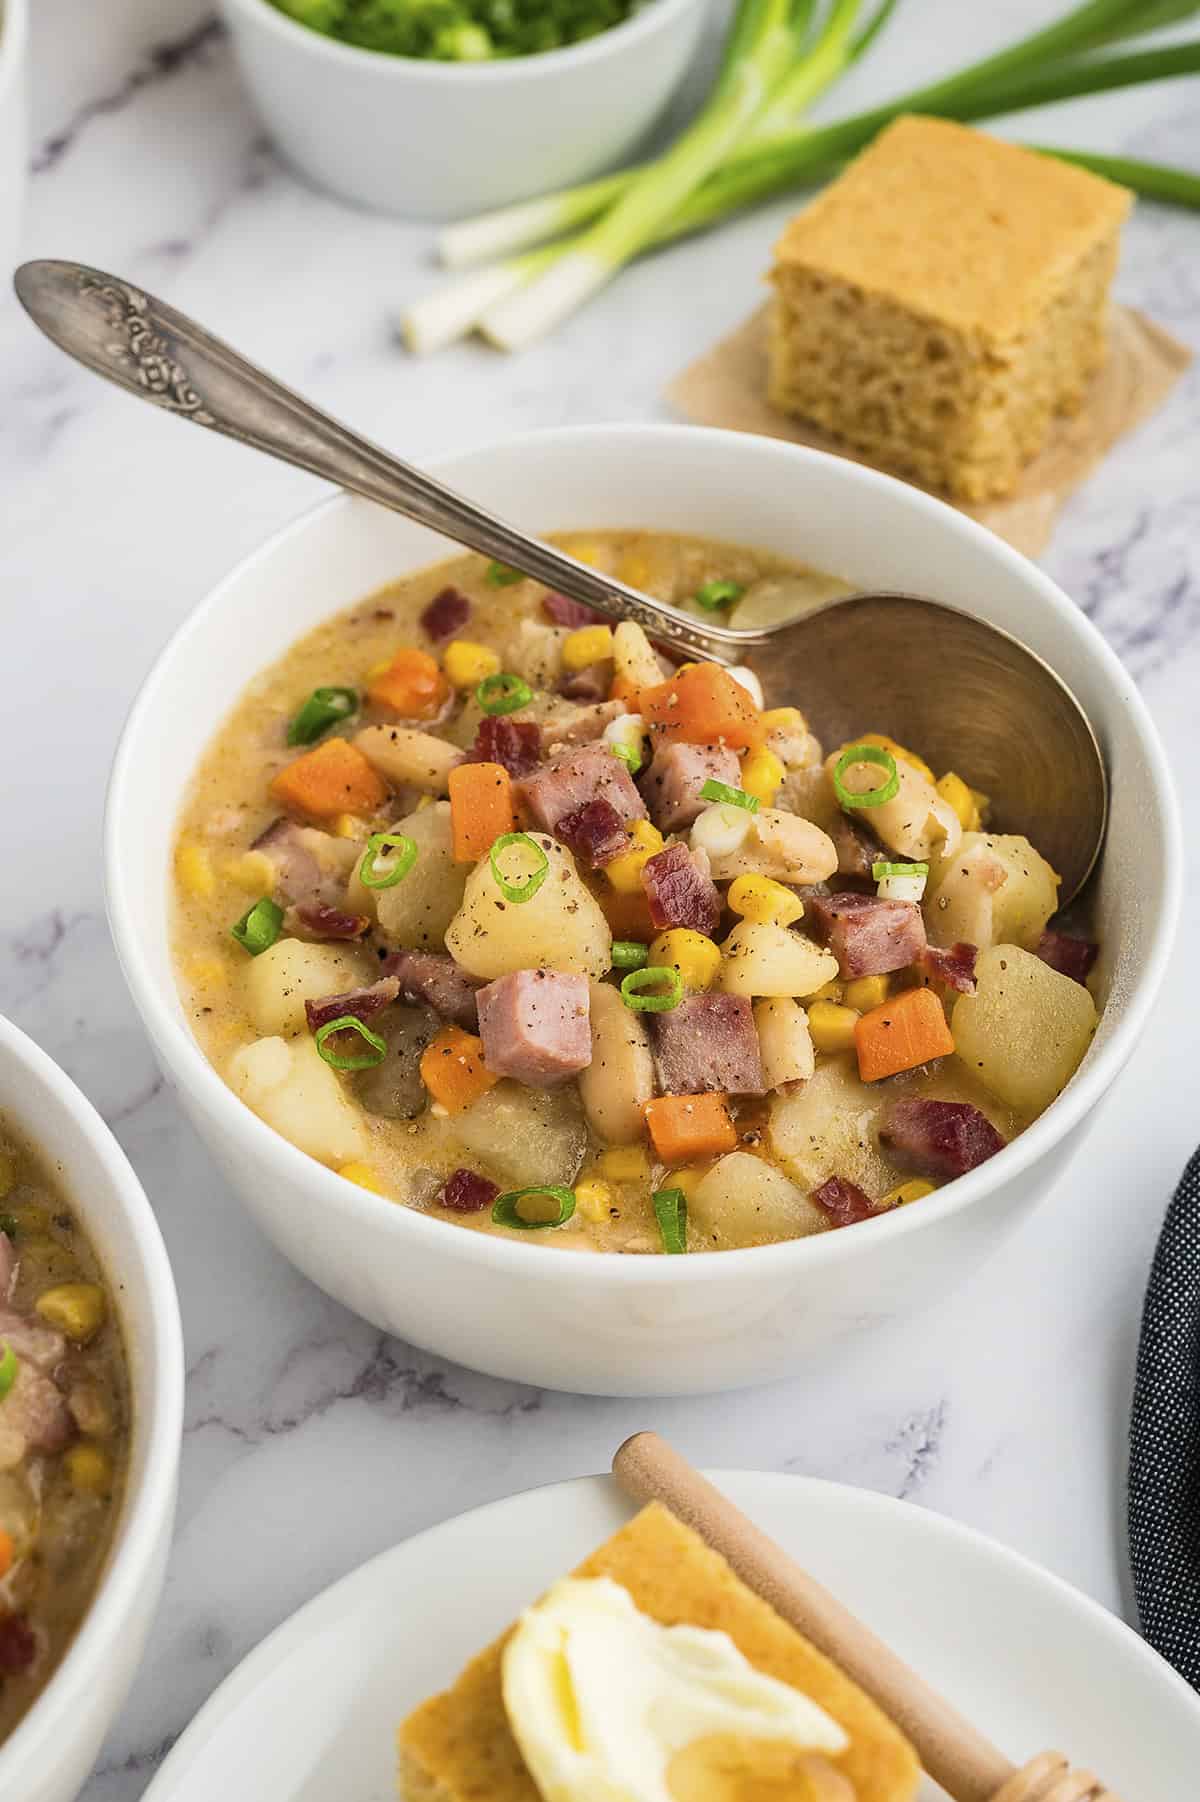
pixel 157 353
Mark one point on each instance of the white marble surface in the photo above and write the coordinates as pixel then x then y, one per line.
pixel 312 1443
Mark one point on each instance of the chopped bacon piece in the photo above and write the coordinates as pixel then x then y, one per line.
pixel 678 772
pixel 680 892
pixel 517 744
pixel 435 979
pixel 18 1644
pixel 595 832
pixel 535 1026
pixel 708 1042
pixel 591 683
pixel 325 923
pixel 363 1004
pixel 843 1201
pixel 562 611
pixel 1069 956
pixel 868 936
pixel 955 966
pixel 938 1138
pixel 446 614
pixel 466 1192
pixel 583 773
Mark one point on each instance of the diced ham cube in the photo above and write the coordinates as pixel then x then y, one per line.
pixel 672 784
pixel 517 744
pixel 33 1343
pixel 436 980
pixel 1069 956
pixel 312 868
pixel 955 966
pixel 868 936
pixel 595 832
pixel 843 1201
pixel 446 614
pixel 562 611
pixel 708 1042
pixel 36 1408
pixel 591 683
pixel 583 773
pixel 941 1139
pixel 680 892
pixel 466 1192
pixel 359 1004
pixel 535 1026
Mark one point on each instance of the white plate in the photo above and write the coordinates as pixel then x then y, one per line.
pixel 310 1716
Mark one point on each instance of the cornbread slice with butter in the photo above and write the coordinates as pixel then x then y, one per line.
pixel 459 1747
pixel 942 300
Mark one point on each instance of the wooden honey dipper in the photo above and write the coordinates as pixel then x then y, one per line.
pixel 953 1752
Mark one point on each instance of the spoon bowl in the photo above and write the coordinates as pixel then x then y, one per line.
pixel 953 685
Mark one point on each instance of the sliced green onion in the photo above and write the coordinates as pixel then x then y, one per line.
pixel 258 927
pixel 395 868
pixel 519 891
pixel 506 1209
pixel 503 693
pixel 630 757
pixel 499 575
pixel 627 954
pixel 880 871
pixel 642 991
pixel 713 595
pixel 874 797
pixel 376 1047
pixel 8 1370
pixel 10 1226
pixel 670 1210
pixel 724 796
pixel 324 707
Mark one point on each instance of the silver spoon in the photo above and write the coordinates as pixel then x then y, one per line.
pixel 969 696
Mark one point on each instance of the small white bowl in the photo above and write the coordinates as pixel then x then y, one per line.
pixel 433 140
pixel 50 1753
pixel 14 149
pixel 634 1325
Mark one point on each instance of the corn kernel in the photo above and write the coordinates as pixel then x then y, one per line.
pixel 831 1026
pixel 625 872
pixel 646 836
pixel 635 570
pixel 466 664
pixel 625 1164
pixel 423 803
pixel 866 992
pixel 364 1176
pixel 89 1469
pixel 783 719
pixel 688 1178
pixel 207 972
pixel 77 1309
pixel 916 1190
pixel 594 1201
pixel 762 773
pixel 349 825
pixel 695 957
pixel 587 645
pixel 253 871
pixel 585 550
pixel 194 867
pixel 829 991
pixel 953 789
pixel 764 901
pixel 884 743
pixel 983 805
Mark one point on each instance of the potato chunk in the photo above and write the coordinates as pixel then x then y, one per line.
pixel 761 959
pixel 292 1089
pixel 996 889
pixel 745 1201
pixel 561 927
pixel 1025 1029
pixel 827 1128
pixel 620 1078
pixel 278 982
pixel 522 1136
pixel 784 1042
pixel 415 912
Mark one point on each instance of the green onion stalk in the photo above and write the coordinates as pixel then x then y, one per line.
pixel 1055 63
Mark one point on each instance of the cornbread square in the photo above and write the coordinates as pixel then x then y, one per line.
pixel 458 1746
pixel 942 300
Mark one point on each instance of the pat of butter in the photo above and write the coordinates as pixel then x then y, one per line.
pixel 600 1697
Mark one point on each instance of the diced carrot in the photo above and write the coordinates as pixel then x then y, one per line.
pixel 624 690
pixel 7 1552
pixel 908 1030
pixel 481 808
pixel 412 685
pixel 700 704
pixel 685 1128
pixel 453 1070
pixel 333 778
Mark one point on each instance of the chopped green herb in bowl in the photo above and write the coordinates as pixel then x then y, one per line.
pixel 459 30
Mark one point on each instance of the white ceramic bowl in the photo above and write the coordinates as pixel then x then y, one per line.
pixel 52 1750
pixel 633 1325
pixel 432 140
pixel 14 31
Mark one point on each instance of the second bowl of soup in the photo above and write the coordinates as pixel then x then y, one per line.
pixel 475 931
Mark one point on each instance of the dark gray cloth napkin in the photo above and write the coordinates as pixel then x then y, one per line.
pixel 1164 1440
